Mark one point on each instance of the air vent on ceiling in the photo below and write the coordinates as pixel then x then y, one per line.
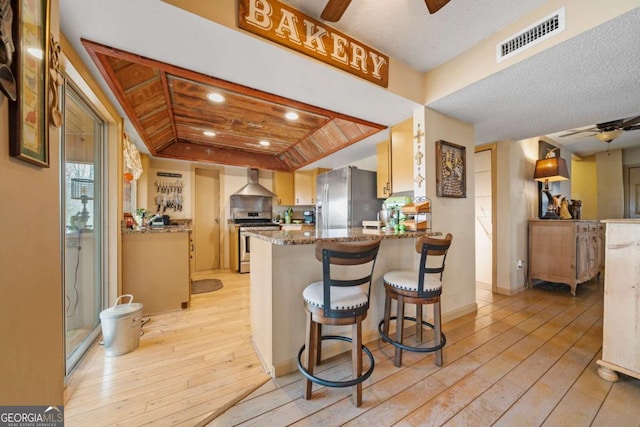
pixel 541 30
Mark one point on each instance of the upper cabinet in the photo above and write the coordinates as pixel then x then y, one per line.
pixel 395 161
pixel 402 156
pixel 305 186
pixel 283 187
pixel 383 156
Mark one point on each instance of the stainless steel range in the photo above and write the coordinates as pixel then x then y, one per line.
pixel 244 247
pixel 251 209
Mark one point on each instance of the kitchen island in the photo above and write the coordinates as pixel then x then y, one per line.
pixel 283 263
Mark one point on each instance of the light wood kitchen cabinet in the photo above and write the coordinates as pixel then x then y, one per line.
pixel 283 186
pixel 402 156
pixel 304 186
pixel 621 335
pixel 383 169
pixel 155 269
pixel 565 251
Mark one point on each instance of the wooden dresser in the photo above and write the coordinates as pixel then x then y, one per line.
pixel 565 251
pixel 621 335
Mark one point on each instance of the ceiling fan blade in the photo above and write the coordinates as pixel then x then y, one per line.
pixel 634 127
pixel 334 9
pixel 632 122
pixel 435 5
pixel 579 131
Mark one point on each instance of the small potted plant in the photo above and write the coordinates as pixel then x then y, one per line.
pixel 288 213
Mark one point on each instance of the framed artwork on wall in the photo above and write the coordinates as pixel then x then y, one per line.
pixel 451 173
pixel 29 135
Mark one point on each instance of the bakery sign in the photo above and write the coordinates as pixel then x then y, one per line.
pixel 289 27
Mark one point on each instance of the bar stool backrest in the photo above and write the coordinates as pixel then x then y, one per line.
pixel 346 254
pixel 433 254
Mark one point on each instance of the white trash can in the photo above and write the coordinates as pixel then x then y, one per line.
pixel 121 325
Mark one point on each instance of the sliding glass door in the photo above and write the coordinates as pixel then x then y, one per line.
pixel 83 136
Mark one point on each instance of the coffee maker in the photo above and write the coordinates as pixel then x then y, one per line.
pixel 309 217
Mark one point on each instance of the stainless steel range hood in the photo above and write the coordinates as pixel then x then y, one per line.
pixel 253 188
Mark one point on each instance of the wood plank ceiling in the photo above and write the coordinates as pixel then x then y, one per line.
pixel 170 109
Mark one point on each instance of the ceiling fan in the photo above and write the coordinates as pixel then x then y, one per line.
pixel 335 8
pixel 608 131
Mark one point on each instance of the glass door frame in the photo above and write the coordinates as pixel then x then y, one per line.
pixel 75 70
pixel 99 249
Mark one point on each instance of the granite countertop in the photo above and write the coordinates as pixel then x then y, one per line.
pixel 164 229
pixel 301 237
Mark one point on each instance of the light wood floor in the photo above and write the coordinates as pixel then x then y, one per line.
pixel 527 359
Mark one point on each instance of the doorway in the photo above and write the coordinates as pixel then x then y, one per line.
pixel 632 191
pixel 206 228
pixel 485 190
pixel 82 147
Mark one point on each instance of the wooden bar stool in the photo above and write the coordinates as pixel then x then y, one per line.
pixel 425 287
pixel 341 298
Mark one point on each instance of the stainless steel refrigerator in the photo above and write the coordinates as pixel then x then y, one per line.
pixel 345 198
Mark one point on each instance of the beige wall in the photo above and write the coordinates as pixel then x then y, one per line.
pixel 584 185
pixel 631 157
pixel 610 185
pixel 517 203
pixel 31 307
pixel 453 215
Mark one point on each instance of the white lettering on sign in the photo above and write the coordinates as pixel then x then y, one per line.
pixel 314 38
pixel 378 63
pixel 339 51
pixel 259 14
pixel 287 26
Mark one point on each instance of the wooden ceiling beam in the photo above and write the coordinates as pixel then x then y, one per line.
pixel 200 153
pixel 169 102
pixel 168 107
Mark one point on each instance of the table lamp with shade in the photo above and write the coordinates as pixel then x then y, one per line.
pixel 550 169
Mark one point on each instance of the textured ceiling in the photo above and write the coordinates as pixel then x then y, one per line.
pixel 405 30
pixel 589 79
pixel 586 80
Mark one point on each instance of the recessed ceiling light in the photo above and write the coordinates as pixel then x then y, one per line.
pixel 291 115
pixel 215 97
pixel 265 143
pixel 209 133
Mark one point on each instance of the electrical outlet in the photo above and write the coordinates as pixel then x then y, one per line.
pixel 520 263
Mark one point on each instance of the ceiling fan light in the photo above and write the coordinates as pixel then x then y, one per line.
pixel 608 136
pixel 209 133
pixel 265 143
pixel 215 97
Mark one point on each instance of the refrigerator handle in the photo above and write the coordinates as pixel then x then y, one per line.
pixel 325 199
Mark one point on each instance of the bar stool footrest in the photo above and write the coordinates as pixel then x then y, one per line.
pixel 397 344
pixel 328 383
